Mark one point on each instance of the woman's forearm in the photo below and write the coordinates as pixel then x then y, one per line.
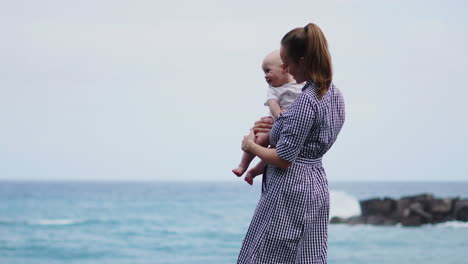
pixel 269 155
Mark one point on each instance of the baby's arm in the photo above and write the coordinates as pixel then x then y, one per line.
pixel 274 106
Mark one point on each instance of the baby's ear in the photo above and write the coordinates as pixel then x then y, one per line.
pixel 283 66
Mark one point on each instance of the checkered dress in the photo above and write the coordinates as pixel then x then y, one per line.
pixel 291 219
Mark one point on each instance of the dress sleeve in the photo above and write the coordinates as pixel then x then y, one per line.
pixel 297 125
pixel 271 94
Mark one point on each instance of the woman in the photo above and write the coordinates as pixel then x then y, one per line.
pixel 291 220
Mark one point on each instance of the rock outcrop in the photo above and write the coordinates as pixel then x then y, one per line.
pixel 409 211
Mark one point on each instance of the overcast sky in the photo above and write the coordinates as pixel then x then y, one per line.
pixel 165 90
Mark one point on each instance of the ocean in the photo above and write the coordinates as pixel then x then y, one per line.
pixel 199 222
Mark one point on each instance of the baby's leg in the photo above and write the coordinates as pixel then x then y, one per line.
pixel 255 171
pixel 244 164
pixel 262 140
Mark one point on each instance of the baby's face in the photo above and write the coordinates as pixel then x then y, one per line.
pixel 274 73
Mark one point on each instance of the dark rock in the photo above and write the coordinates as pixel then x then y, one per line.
pixel 402 208
pixel 409 211
pixel 442 210
pixel 462 214
pixel 337 220
pixel 383 207
pixel 380 220
pixel 441 206
pixel 390 222
pixel 420 197
pixel 424 199
pixel 356 220
pixel 461 210
pixel 375 220
pixel 418 209
pixel 412 220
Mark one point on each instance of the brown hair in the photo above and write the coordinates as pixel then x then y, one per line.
pixel 310 43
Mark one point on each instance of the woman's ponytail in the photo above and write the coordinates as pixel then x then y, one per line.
pixel 310 43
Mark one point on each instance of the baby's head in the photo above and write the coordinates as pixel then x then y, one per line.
pixel 275 73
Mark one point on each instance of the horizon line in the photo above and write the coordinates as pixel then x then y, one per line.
pixel 214 181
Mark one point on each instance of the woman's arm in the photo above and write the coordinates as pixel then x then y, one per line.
pixel 268 155
pixel 263 125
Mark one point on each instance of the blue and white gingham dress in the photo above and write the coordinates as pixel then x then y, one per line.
pixel 291 219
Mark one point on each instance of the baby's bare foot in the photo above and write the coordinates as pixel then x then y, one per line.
pixel 239 171
pixel 252 173
pixel 249 178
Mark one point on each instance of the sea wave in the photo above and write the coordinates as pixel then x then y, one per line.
pixel 53 222
pixel 343 204
pixel 57 222
pixel 453 224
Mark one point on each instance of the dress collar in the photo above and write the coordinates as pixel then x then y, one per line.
pixel 310 83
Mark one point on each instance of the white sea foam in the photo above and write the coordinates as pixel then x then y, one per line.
pixel 55 222
pixel 343 204
pixel 453 224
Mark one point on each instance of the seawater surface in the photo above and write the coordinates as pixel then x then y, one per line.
pixel 199 222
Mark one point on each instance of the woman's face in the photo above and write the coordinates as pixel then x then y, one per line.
pixel 295 69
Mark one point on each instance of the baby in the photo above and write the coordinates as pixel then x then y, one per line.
pixel 282 91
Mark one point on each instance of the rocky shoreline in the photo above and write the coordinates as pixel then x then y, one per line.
pixel 408 211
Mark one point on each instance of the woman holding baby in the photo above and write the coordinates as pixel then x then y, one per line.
pixel 291 219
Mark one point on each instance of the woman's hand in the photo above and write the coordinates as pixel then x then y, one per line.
pixel 263 125
pixel 248 141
